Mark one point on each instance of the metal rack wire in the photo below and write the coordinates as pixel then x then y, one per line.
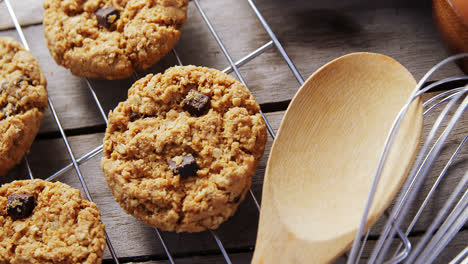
pixel 234 67
pixel 393 217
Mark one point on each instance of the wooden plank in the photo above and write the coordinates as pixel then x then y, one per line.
pixel 132 238
pixel 312 32
pixel 27 12
pixel 454 247
pixel 31 11
pixel 234 257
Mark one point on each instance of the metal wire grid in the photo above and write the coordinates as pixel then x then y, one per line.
pixel 234 67
pixel 358 246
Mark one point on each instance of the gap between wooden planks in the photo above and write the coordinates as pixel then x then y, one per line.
pixel 132 238
pixel 312 32
pixel 312 35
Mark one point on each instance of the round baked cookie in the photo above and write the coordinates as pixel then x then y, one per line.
pixel 44 222
pixel 109 39
pixel 23 100
pixel 180 152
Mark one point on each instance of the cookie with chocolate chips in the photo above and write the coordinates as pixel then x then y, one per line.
pixel 180 152
pixel 44 222
pixel 23 100
pixel 109 39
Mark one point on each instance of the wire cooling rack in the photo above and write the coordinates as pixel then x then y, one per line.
pixel 234 67
pixel 451 96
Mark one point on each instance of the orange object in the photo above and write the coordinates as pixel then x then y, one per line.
pixel 451 18
pixel 461 7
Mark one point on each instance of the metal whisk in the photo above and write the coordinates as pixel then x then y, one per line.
pixel 453 214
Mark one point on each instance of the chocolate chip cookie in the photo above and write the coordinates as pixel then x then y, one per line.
pixel 44 222
pixel 180 152
pixel 109 39
pixel 23 100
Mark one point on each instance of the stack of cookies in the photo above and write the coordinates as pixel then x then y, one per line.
pixel 179 153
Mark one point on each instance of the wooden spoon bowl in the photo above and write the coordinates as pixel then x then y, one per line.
pixel 324 158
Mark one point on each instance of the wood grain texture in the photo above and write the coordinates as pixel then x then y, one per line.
pixel 27 12
pixel 234 257
pixel 313 33
pixel 133 238
pixel 457 245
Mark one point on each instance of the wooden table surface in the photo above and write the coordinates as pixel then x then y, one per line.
pixel 312 32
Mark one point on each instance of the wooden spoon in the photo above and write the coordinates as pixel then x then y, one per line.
pixel 324 158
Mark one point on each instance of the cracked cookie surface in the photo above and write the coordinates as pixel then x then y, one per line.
pixel 142 32
pixel 151 128
pixel 23 100
pixel 63 228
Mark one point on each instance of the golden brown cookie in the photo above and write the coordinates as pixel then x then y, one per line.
pixel 178 168
pixel 109 39
pixel 23 99
pixel 62 227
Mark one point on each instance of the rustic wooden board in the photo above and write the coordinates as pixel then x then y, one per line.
pixel 234 257
pixel 456 246
pixel 132 238
pixel 27 12
pixel 30 12
pixel 313 34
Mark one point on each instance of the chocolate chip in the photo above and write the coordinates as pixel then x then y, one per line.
pixel 236 199
pixel 20 205
pixel 185 166
pixel 196 103
pixel 107 17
